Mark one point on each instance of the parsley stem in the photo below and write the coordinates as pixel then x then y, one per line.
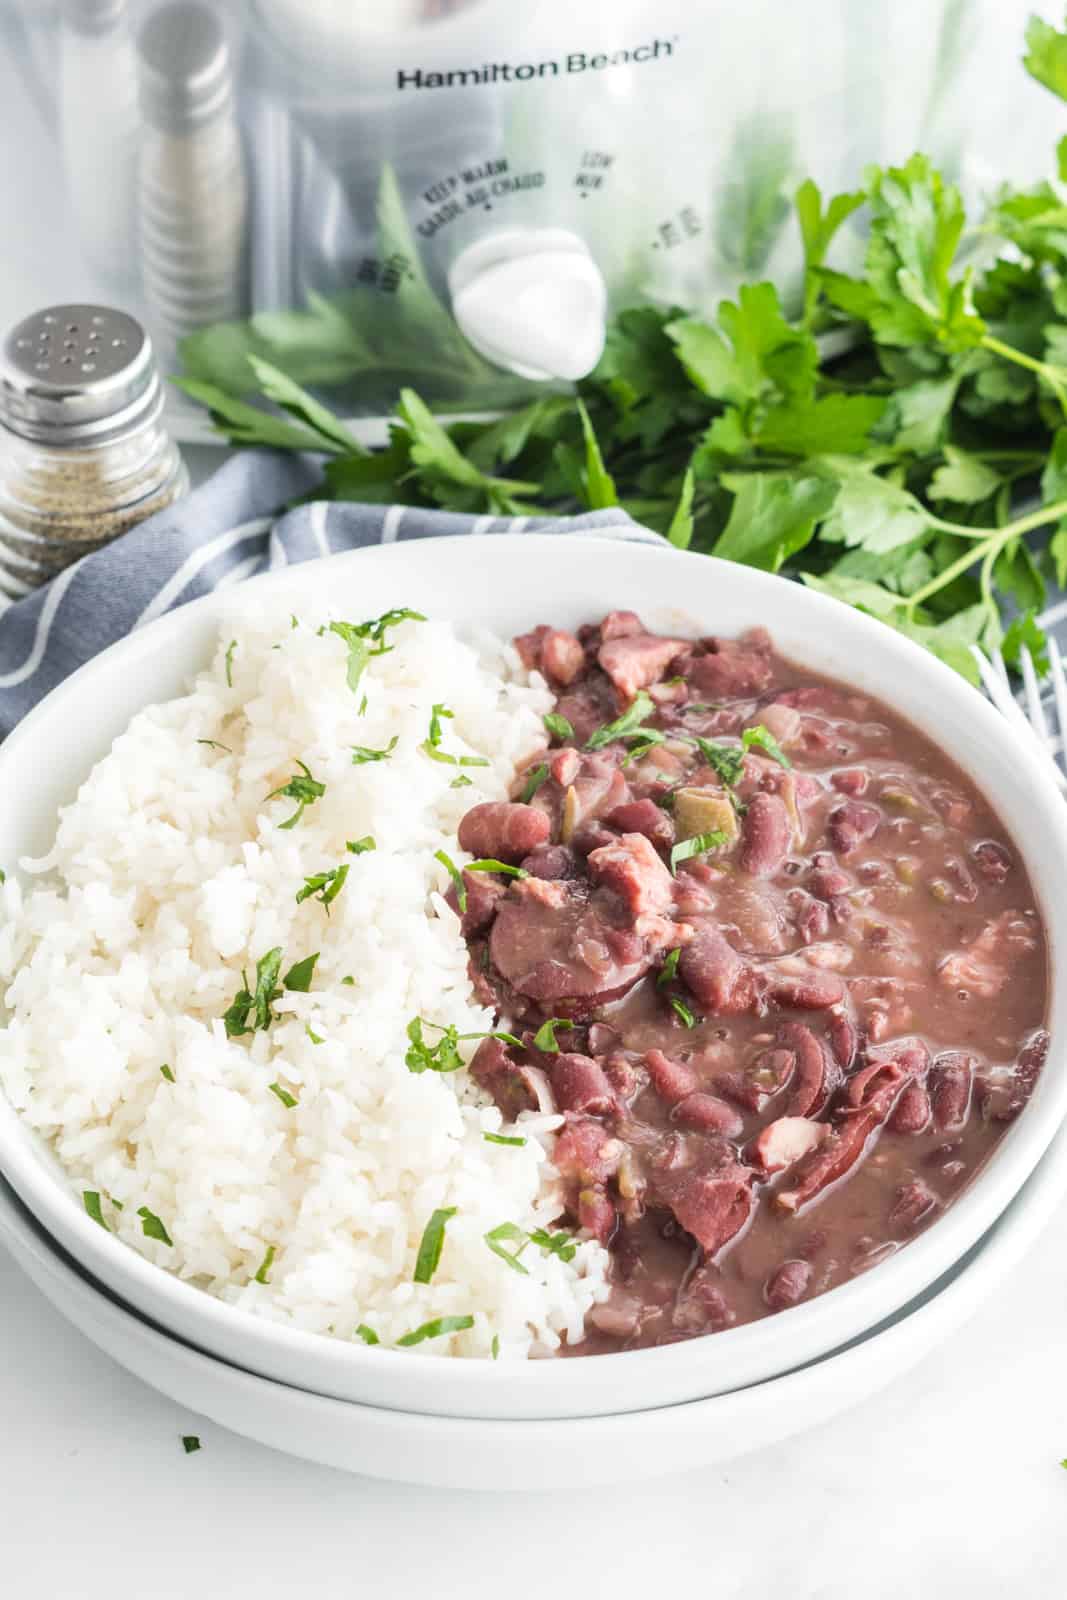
pixel 1053 376
pixel 987 550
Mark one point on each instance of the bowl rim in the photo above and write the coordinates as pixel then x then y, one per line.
pixel 1021 1146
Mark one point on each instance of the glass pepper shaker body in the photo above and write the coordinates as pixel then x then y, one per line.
pixel 84 455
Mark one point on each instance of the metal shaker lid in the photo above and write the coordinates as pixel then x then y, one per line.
pixel 184 66
pixel 78 375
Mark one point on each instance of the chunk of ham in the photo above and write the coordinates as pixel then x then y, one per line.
pixel 631 867
pixel 784 1141
pixel 711 1205
pixel 585 1154
pixel 620 624
pixel 562 657
pixel 643 816
pixel 984 966
pixel 637 660
pixel 714 972
pixel 731 669
pixel 503 830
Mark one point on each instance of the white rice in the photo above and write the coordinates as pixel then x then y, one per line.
pixel 170 874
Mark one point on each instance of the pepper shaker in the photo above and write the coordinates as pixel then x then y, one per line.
pixel 83 453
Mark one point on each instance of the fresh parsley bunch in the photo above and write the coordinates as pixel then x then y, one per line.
pixel 897 439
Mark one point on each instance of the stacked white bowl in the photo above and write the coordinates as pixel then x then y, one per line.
pixel 707 1397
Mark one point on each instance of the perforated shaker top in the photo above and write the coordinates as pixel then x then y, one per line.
pixel 78 374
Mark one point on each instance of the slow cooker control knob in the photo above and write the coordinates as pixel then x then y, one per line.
pixel 531 300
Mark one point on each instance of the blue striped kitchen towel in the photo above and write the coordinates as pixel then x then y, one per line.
pixel 223 532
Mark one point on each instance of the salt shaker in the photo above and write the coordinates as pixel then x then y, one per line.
pixel 83 453
pixel 192 184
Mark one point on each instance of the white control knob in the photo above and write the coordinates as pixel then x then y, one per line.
pixel 531 300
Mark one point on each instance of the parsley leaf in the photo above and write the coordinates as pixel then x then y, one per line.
pixel 167 1073
pixel 669 969
pixel 490 864
pixel 697 845
pixel 456 876
pixel 533 782
pixel 232 646
pixel 362 753
pixel 152 1227
pixel 726 761
pixel 91 1202
pixel 504 1234
pixel 639 711
pixel 435 1329
pixel 683 1012
pixel 359 847
pixel 555 1244
pixel 432 1243
pixel 764 739
pixel 325 886
pixel 545 1037
pixel 368 1335
pixel 288 1100
pixel 255 1008
pixel 558 726
pixel 298 978
pixel 302 788
pixel 503 1138
pixel 431 744
pixel 190 1443
pixel 262 1274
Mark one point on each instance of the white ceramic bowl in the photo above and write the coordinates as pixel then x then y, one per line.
pixel 467 1453
pixel 511 582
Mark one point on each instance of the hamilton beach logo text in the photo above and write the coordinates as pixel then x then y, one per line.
pixel 508 72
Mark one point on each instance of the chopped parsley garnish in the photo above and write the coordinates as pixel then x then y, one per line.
pixel 503 1138
pixel 362 706
pixel 555 1244
pixel 263 1270
pixel 765 740
pixel 349 980
pixel 152 1227
pixel 536 778
pixel 457 878
pixel 316 1038
pixel 435 1329
pixel 167 1073
pixel 3 875
pixel 642 742
pixel 251 1011
pixel 726 761
pixel 229 662
pixel 298 978
pixel 431 744
pixel 359 847
pixel 495 1347
pixel 491 865
pixel 643 707
pixel 302 788
pixel 215 745
pixel 443 1056
pixel 288 1100
pixel 294 620
pixel 683 1012
pixel 432 1243
pixel 558 726
pixel 190 1443
pixel 325 886
pixel 367 639
pixel 91 1202
pixel 670 967
pixel 509 1233
pixel 545 1037
pixel 362 753
pixel 462 782
pixel 368 1335
pixel 697 845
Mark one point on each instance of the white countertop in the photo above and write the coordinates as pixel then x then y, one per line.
pixel 947 1484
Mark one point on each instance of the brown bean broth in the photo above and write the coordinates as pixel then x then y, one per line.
pixel 916 878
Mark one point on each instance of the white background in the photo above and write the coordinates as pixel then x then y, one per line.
pixel 947 1484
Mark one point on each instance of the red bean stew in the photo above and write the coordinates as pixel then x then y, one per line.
pixel 798 972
